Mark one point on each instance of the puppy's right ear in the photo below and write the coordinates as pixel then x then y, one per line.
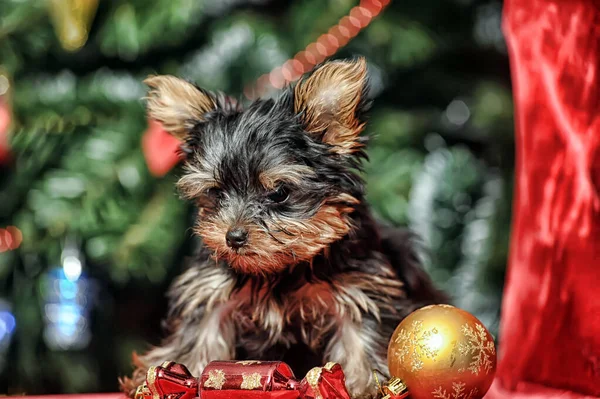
pixel 177 104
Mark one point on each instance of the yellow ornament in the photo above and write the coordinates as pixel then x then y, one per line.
pixel 442 352
pixel 72 20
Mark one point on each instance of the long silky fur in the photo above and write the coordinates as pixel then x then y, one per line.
pixel 319 279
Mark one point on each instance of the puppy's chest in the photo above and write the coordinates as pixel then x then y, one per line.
pixel 311 306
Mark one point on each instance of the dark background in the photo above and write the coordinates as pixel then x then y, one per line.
pixel 102 238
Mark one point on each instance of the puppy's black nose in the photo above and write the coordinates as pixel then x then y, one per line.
pixel 236 237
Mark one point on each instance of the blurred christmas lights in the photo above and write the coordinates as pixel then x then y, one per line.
pixel 7 324
pixel 315 53
pixel 68 296
pixel 5 118
pixel 7 327
pixel 10 238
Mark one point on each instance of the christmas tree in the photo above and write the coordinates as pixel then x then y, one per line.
pixel 102 237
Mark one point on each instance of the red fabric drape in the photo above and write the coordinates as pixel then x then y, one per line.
pixel 550 332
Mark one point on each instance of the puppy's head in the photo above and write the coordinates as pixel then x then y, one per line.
pixel 274 182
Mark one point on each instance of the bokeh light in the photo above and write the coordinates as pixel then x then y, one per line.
pixel 10 238
pixel 325 46
pixel 66 309
pixel 7 324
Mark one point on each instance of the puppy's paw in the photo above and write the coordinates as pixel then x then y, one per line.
pixel 359 378
pixel 360 386
pixel 358 349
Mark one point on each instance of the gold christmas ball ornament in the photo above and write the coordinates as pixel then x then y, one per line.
pixel 442 352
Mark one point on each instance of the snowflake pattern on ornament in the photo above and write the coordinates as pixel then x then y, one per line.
pixel 458 392
pixel 415 344
pixel 478 345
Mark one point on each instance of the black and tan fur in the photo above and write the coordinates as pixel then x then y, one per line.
pixel 317 279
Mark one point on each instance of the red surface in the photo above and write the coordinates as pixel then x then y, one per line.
pixel 75 396
pixel 550 332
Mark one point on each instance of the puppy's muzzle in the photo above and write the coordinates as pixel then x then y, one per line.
pixel 236 237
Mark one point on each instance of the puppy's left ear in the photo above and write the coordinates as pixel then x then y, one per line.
pixel 329 100
pixel 177 104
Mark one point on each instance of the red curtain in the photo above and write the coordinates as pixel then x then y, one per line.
pixel 550 332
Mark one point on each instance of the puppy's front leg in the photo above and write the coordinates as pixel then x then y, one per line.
pixel 366 317
pixel 359 349
pixel 200 325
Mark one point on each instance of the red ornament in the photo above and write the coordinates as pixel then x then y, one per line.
pixel 5 119
pixel 243 380
pixel 160 149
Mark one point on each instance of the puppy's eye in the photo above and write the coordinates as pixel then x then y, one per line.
pixel 279 195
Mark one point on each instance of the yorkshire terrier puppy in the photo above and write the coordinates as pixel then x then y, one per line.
pixel 292 265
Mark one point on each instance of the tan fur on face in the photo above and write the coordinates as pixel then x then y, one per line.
pixel 195 182
pixel 293 174
pixel 290 240
pixel 177 104
pixel 328 100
